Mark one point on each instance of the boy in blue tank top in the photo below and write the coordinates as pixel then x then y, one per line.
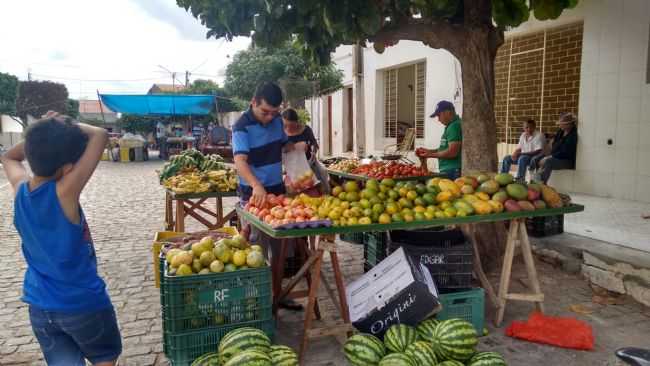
pixel 69 308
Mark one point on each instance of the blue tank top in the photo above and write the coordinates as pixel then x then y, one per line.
pixel 61 263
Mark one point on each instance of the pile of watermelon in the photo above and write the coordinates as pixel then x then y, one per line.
pixel 248 347
pixel 449 342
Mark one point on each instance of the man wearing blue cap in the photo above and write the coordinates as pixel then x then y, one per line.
pixel 449 151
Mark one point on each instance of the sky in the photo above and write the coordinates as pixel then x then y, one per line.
pixel 116 46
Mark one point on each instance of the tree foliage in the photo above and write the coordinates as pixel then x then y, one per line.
pixel 321 26
pixel 8 94
pixel 72 108
pixel 35 98
pixel 137 124
pixel 225 102
pixel 285 65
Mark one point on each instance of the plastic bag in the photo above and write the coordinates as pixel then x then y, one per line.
pixel 299 176
pixel 321 174
pixel 561 332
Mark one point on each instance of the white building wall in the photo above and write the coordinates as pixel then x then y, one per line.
pixel 8 124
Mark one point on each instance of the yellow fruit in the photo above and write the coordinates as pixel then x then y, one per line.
pixel 483 196
pixel 196 266
pixel 206 258
pixel 216 266
pixel 496 206
pixel 182 258
pixel 255 259
pixel 197 249
pixel 365 221
pixel 353 221
pixel 225 256
pixel 207 241
pixel 419 209
pixel 471 198
pixel 337 190
pixel 450 212
pixel 384 219
pixel 551 197
pixel 444 196
pixel 445 205
pixel 171 254
pixel 239 258
pixel 408 217
pixel 482 207
pixel 257 248
pixel 449 186
pixel 184 270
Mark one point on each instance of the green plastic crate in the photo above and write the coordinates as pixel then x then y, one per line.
pixel 375 247
pixel 354 238
pixel 467 305
pixel 183 348
pixel 197 302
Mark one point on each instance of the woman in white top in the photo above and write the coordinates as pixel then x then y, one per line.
pixel 530 144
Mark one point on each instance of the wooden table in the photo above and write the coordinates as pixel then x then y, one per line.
pixel 517 235
pixel 195 205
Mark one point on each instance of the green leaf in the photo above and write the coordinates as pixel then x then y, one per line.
pixel 548 9
pixel 510 13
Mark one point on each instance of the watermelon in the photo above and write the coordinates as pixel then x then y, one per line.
pixel 242 339
pixel 455 339
pixel 208 359
pixel 399 336
pixel 397 359
pixel 250 358
pixel 450 363
pixel 487 359
pixel 426 328
pixel 283 356
pixel 364 349
pixel 422 352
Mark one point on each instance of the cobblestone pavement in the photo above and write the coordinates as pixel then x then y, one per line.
pixel 124 206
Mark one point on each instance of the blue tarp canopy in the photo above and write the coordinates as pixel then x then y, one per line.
pixel 160 104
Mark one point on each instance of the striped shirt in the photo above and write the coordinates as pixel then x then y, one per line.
pixel 263 146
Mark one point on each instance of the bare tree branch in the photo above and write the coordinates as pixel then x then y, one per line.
pixel 436 35
pixel 20 122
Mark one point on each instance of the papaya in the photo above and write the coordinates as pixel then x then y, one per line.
pixel 551 197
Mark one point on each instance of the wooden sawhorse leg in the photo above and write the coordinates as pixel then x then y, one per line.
pixel 180 216
pixel 517 232
pixel 169 212
pixel 314 264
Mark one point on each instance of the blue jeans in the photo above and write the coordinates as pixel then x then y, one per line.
pixel 452 174
pixel 522 165
pixel 68 339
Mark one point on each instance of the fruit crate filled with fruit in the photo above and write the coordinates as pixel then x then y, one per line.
pixel 389 169
pixel 193 172
pixel 214 284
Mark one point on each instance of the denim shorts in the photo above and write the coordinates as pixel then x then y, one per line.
pixel 68 339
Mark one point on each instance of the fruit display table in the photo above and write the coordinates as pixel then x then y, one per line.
pixel 517 235
pixel 194 205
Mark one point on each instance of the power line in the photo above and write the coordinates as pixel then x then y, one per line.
pixel 93 80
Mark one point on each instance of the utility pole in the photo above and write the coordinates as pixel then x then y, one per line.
pixel 187 79
pixel 29 74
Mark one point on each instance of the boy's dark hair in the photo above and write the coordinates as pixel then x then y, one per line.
pixel 269 92
pixel 290 114
pixel 53 142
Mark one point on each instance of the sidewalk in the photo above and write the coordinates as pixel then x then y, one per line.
pixel 124 206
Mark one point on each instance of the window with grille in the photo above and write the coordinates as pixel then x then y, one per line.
pixel 390 103
pixel 391 100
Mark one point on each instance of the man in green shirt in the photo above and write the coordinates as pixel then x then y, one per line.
pixel 449 151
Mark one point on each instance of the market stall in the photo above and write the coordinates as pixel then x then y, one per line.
pixel 191 181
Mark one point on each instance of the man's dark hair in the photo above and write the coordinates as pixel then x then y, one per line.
pixel 530 122
pixel 53 142
pixel 269 92
pixel 290 114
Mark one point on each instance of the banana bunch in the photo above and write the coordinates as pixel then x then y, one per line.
pixel 212 162
pixel 224 179
pixel 191 182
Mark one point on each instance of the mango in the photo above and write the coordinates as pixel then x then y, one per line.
pixel 482 207
pixel 483 196
pixel 512 206
pixel 496 206
pixel 533 195
pixel 526 205
pixel 539 204
pixel 490 186
pixel 504 179
pixel 500 196
pixel 464 206
pixel 517 191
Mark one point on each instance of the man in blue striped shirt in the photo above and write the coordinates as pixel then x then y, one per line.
pixel 258 138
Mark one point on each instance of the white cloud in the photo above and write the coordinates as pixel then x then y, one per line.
pixel 86 44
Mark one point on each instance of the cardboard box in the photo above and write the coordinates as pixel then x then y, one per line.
pixel 397 290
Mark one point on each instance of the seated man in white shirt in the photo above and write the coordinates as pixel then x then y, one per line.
pixel 530 144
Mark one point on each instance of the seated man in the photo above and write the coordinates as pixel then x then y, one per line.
pixel 563 150
pixel 531 143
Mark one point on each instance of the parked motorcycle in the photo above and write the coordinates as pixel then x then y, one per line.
pixel 634 356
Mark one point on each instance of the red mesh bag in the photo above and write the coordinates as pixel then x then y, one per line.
pixel 561 332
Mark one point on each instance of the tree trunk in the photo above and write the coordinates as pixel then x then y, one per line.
pixel 479 125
